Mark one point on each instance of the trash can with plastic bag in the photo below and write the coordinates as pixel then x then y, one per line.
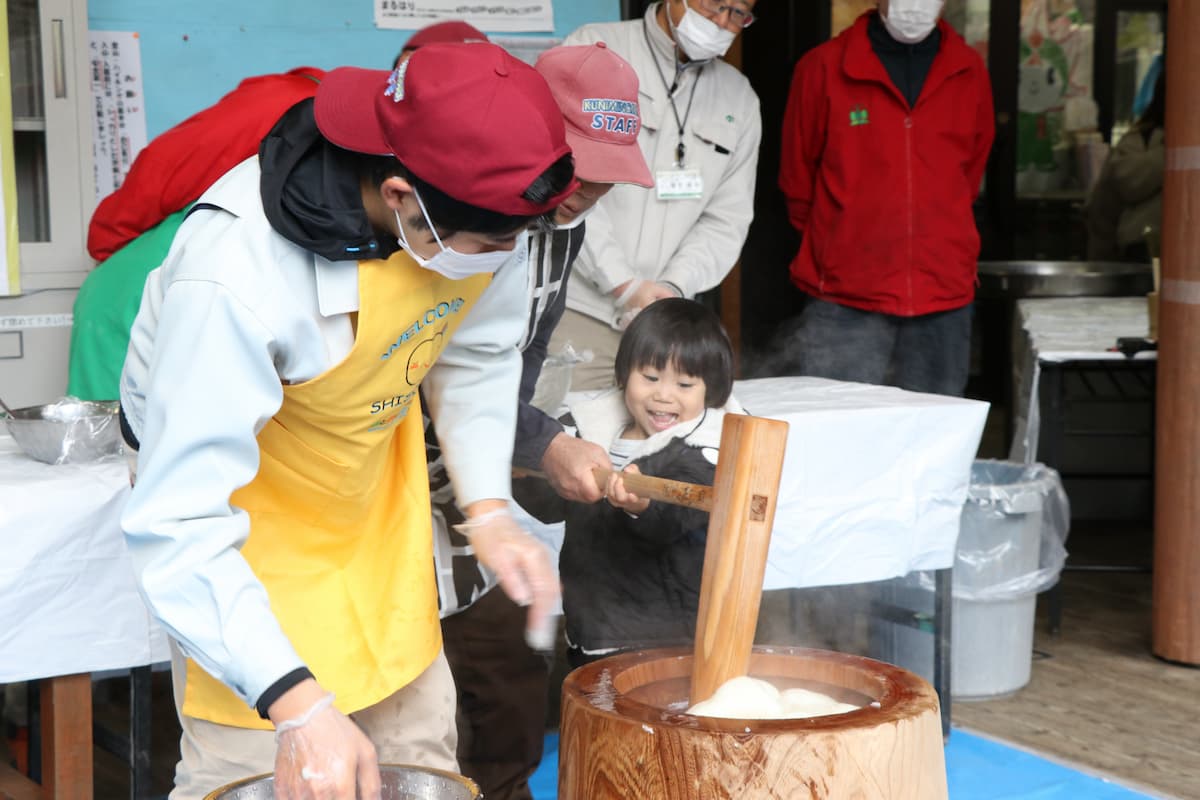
pixel 1010 548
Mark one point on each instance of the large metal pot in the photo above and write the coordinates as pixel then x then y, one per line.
pixel 1017 279
pixel 400 782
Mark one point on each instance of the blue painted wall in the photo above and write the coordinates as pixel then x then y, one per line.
pixel 194 52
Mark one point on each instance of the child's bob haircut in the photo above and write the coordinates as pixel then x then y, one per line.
pixel 684 334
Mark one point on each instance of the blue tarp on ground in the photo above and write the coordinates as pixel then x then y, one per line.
pixel 977 768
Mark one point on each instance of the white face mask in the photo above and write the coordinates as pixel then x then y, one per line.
pixel 448 262
pixel 579 218
pixel 699 37
pixel 910 21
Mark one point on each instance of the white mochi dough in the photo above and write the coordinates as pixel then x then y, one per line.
pixel 751 698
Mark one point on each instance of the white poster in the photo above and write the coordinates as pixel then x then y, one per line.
pixel 119 121
pixel 492 15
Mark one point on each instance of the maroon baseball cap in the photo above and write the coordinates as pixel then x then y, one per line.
pixel 597 91
pixel 452 30
pixel 470 119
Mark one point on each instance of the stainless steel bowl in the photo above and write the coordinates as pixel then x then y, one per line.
pixel 400 782
pixel 1016 279
pixel 67 432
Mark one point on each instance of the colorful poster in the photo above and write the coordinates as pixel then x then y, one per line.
pixel 119 121
pixel 10 243
pixel 494 15
pixel 1055 67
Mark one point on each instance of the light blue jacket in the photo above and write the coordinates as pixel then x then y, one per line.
pixel 235 312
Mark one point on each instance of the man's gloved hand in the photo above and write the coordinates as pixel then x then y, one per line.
pixel 321 754
pixel 568 464
pixel 521 563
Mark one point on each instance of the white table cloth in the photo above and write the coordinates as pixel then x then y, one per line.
pixel 68 603
pixel 873 484
pixel 874 479
pixel 1059 329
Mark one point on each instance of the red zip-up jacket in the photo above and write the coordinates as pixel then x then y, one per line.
pixel 182 162
pixel 882 191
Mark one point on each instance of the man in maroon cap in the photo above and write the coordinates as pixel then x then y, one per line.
pixel 279 523
pixel 502 683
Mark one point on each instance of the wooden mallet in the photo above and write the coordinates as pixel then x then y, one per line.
pixel 741 505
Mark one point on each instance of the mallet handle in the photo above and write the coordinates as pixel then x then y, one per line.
pixel 677 493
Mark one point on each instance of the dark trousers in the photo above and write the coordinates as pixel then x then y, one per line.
pixel 502 687
pixel 929 353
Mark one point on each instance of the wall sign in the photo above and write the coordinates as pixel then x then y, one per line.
pixel 119 111
pixel 493 15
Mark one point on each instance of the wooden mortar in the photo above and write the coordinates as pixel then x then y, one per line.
pixel 624 733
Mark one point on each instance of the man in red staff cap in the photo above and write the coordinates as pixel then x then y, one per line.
pixel 279 522
pixel 502 682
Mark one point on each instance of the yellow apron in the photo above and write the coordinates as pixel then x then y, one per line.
pixel 340 530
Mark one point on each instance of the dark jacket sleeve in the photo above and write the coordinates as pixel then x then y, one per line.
pixel 664 523
pixel 535 428
pixel 541 501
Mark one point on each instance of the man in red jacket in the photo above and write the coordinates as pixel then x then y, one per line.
pixel 885 140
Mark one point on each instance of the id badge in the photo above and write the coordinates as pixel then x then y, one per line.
pixel 679 184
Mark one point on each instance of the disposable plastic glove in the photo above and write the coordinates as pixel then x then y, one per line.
pixel 323 755
pixel 522 565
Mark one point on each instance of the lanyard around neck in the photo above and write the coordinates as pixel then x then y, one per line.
pixel 681 148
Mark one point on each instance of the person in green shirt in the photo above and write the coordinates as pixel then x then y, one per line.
pixel 104 310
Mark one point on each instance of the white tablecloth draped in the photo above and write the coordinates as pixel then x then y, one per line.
pixel 874 479
pixel 68 603
pixel 873 484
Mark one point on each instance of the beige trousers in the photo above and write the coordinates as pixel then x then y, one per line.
pixel 587 333
pixel 414 726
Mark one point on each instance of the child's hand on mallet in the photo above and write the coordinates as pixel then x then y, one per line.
pixel 621 498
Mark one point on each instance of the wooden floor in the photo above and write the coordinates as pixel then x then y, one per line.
pixel 1097 697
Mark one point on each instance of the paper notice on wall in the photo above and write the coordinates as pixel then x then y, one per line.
pixel 118 107
pixel 493 15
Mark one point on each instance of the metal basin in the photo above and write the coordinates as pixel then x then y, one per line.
pixel 400 782
pixel 1016 279
pixel 67 432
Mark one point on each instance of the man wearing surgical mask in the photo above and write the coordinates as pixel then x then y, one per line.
pixel 700 134
pixel 279 524
pixel 885 140
pixel 502 680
